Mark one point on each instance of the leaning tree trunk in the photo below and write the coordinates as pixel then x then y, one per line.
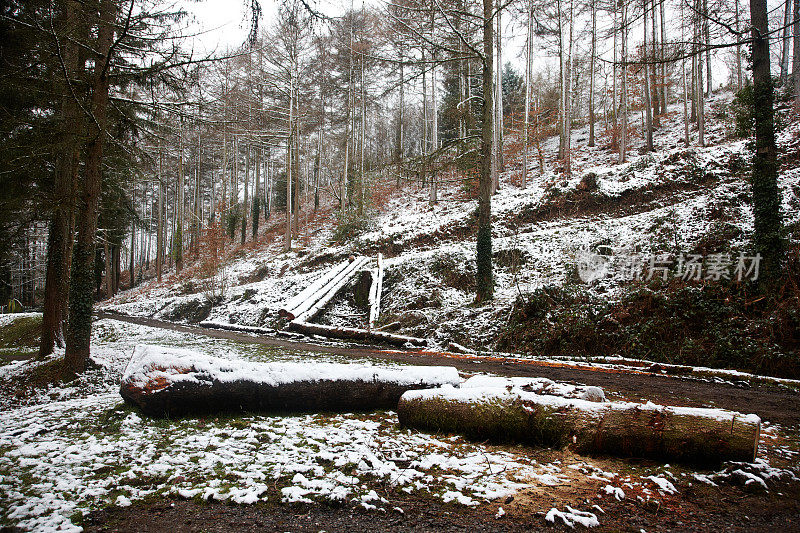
pixel 81 297
pixel 484 281
pixel 766 199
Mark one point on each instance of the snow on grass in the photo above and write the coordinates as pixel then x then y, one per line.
pixel 77 447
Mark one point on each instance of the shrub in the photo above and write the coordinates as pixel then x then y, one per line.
pixel 744 113
pixel 711 324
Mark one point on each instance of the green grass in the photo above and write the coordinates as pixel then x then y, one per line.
pixel 20 338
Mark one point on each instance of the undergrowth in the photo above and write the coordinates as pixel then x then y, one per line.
pixel 711 324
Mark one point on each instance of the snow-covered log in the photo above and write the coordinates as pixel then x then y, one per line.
pixel 294 302
pixel 313 305
pixel 375 293
pixel 172 381
pixel 616 428
pixel 356 334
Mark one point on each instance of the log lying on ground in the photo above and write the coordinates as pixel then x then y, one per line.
pixel 236 327
pixel 355 334
pixel 173 382
pixel 615 428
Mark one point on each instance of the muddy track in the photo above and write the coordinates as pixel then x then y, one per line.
pixel 777 404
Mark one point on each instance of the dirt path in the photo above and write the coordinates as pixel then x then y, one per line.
pixel 702 509
pixel 774 403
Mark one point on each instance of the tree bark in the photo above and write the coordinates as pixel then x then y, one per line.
pixel 648 127
pixel 81 298
pixel 766 198
pixel 591 73
pixel 796 56
pixel 58 247
pixel 623 429
pixel 484 278
pixel 182 388
pixel 787 28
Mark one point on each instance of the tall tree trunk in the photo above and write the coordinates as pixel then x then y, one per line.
pixel 701 105
pixel 787 28
pixel 179 208
pixel 484 279
pixel 498 125
pixel 434 198
pixel 287 237
pixel 623 145
pixel 60 234
pixel 400 150
pixel 796 56
pixel 614 67
pixel 739 49
pixel 425 139
pixel 591 73
pixel 664 84
pixel 109 276
pixel 648 127
pixel 81 298
pixel 526 119
pixel 568 93
pixel 133 240
pixel 766 199
pixel 653 68
pixel 296 166
pixel 160 229
pixel 256 209
pixel 707 41
pixel 245 205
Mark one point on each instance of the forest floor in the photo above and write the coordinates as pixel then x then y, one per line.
pixel 74 456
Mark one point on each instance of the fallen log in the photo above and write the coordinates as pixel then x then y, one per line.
pixel 311 307
pixel 172 382
pixel 624 429
pixel 356 334
pixel 292 303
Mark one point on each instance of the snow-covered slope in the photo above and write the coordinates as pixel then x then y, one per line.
pixel 671 201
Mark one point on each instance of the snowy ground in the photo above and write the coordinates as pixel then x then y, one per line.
pixel 70 450
pixel 77 448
